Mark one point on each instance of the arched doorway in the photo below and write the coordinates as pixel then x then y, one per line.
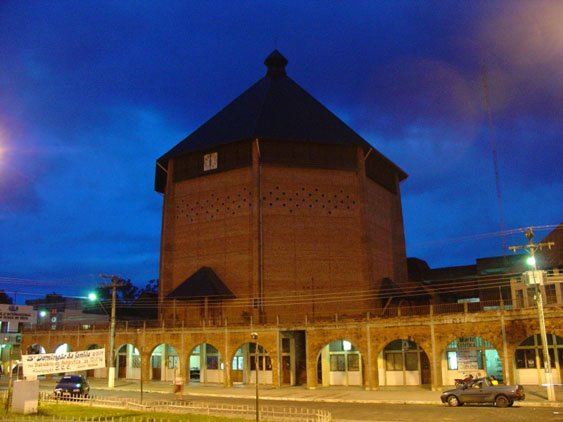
pixel 404 362
pixel 165 364
pixel 529 360
pixel 339 363
pixel 99 372
pixel 471 356
pixel 62 348
pixel 35 349
pixel 128 362
pixel 243 368
pixel 205 364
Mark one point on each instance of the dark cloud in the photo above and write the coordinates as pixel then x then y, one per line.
pixel 17 193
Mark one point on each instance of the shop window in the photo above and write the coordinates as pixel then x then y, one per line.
pixel 238 363
pixel 265 363
pixel 354 362
pixel 525 358
pixel 551 358
pixel 173 362
pixel 336 346
pixel 337 363
pixel 469 353
pixel 411 361
pixel 156 359
pixel 394 361
pixel 341 346
pixel 401 345
pixel 212 357
pixel 452 361
pixel 212 362
pixel 261 361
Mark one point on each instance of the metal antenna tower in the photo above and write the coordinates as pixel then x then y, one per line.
pixel 492 137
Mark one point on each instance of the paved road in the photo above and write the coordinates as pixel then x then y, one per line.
pixel 366 412
pixel 348 410
pixel 428 413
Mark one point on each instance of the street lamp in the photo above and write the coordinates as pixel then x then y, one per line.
pixel 42 314
pixel 535 278
pixel 254 336
pixel 92 296
pixel 140 349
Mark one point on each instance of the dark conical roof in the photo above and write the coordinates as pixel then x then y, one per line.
pixel 274 108
pixel 203 283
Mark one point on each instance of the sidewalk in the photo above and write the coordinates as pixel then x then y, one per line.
pixel 535 396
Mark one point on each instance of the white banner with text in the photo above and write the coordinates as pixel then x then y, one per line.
pixel 52 363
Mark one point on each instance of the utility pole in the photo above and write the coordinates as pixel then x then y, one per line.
pixel 254 336
pixel 111 371
pixel 535 277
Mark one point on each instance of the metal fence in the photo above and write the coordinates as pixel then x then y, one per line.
pixel 267 413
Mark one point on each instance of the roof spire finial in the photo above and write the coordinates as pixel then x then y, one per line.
pixel 276 63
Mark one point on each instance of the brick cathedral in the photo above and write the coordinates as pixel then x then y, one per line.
pixel 275 208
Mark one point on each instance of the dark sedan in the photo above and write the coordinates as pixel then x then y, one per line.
pixel 72 385
pixel 482 390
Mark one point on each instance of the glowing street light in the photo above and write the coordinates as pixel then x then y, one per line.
pixel 93 296
pixel 535 278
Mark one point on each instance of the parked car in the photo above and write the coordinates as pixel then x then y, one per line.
pixel 482 390
pixel 72 385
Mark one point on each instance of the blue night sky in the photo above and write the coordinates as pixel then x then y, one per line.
pixel 93 92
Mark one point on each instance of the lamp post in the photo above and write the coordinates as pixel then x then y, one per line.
pixel 141 348
pixel 536 279
pixel 111 373
pixel 92 296
pixel 254 336
pixel 543 334
pixel 42 315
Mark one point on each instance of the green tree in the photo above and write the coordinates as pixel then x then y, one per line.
pixel 152 286
pixel 5 299
pixel 126 293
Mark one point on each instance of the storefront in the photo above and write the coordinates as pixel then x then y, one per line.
pixel 243 369
pixel 205 364
pixel 339 363
pixel 473 356
pixel 403 362
pixel 529 360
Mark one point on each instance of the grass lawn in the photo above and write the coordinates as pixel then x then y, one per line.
pixel 65 410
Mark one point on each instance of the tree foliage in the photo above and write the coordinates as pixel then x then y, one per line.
pixel 127 297
pixel 5 299
pixel 152 286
